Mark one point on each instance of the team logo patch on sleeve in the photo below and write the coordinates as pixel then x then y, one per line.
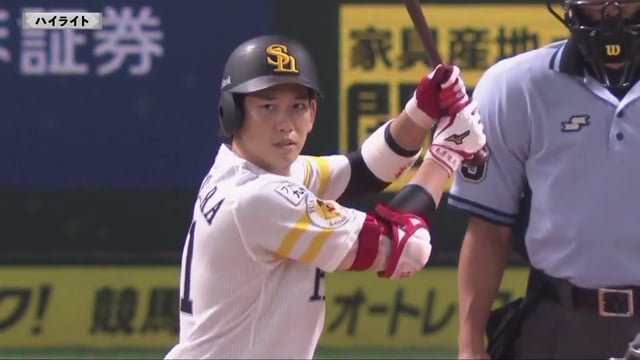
pixel 326 213
pixel 292 192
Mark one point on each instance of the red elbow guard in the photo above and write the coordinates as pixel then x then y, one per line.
pixel 368 243
pixel 404 227
pixel 410 243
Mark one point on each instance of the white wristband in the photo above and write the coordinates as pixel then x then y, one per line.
pixel 418 116
pixel 383 162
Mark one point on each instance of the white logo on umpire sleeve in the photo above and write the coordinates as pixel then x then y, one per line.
pixel 575 123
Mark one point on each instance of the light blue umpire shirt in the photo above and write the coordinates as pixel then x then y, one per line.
pixel 578 147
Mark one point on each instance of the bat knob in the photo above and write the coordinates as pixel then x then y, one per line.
pixel 479 158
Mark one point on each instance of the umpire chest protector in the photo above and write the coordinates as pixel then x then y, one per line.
pixel 257 64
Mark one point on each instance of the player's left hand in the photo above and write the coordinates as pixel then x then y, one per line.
pixel 435 94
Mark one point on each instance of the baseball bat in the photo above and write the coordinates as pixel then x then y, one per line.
pixel 422 27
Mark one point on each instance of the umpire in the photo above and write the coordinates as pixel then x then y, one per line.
pixel 564 121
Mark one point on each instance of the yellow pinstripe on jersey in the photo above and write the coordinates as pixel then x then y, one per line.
pixel 294 235
pixel 307 173
pixel 324 174
pixel 316 245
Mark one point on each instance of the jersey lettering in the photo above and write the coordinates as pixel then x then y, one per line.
pixel 209 212
pixel 186 304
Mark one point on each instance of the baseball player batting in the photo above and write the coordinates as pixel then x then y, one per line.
pixel 267 223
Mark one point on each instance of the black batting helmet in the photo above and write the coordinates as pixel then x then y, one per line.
pixel 612 36
pixel 260 63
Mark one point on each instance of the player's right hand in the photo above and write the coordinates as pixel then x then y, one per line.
pixel 435 94
pixel 458 136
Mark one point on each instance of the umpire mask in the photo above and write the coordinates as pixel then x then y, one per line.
pixel 606 32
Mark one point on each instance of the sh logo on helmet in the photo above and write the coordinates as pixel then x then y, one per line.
pixel 278 56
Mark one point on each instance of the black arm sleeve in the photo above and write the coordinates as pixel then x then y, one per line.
pixel 414 199
pixel 362 180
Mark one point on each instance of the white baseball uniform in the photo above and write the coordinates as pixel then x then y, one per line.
pixel 252 281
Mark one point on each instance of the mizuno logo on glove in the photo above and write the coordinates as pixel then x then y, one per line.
pixel 458 138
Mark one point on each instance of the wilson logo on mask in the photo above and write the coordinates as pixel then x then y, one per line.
pixel 612 49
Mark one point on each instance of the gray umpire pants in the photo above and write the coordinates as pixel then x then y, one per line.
pixel 554 331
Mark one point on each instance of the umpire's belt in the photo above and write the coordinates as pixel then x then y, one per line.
pixel 608 302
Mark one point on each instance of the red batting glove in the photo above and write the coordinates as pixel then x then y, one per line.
pixel 453 92
pixel 435 94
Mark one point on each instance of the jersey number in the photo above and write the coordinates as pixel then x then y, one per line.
pixel 186 304
pixel 316 286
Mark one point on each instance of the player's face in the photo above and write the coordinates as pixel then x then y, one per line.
pixel 276 123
